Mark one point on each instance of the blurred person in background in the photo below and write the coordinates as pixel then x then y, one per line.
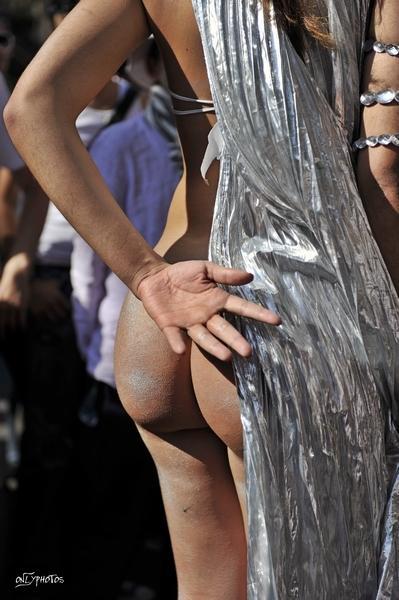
pixel 7 41
pixel 18 241
pixel 37 347
pixel 43 358
pixel 8 227
pixel 8 211
pixel 188 419
pixel 8 191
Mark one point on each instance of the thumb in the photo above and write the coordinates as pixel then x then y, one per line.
pixel 228 276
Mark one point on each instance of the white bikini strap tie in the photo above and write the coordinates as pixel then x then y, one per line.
pixel 213 151
pixel 186 99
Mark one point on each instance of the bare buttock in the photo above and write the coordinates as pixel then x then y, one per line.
pixel 160 390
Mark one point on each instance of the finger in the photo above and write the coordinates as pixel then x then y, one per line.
pixel 227 276
pixel 229 335
pixel 176 339
pixel 251 310
pixel 203 338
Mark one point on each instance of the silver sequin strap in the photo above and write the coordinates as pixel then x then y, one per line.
pixel 380 97
pixel 386 139
pixel 381 47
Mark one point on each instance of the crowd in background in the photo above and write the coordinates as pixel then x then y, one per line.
pixel 79 495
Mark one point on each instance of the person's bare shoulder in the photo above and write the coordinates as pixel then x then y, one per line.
pixel 175 28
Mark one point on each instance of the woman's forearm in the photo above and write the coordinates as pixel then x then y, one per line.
pixel 73 65
pixel 50 145
pixel 32 219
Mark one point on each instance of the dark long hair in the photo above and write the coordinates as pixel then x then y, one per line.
pixel 302 18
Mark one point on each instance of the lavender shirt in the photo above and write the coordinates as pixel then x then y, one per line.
pixel 134 160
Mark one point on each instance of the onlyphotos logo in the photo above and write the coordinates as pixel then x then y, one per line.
pixel 31 578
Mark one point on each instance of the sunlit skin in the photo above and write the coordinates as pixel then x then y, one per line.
pixel 182 400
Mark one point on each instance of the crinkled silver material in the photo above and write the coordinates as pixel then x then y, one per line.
pixel 320 395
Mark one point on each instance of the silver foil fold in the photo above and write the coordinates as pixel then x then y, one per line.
pixel 319 397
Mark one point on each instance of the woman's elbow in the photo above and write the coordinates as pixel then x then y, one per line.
pixel 11 117
pixel 17 114
pixel 28 115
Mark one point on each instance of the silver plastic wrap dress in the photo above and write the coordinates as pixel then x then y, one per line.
pixel 319 397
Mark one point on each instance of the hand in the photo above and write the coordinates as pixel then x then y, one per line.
pixel 47 300
pixel 14 294
pixel 184 297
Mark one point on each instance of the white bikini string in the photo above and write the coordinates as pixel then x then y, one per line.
pixel 215 141
pixel 186 99
pixel 195 111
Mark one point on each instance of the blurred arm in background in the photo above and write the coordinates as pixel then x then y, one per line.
pixel 8 211
pixel 17 268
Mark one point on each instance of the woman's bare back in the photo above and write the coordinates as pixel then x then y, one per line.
pixel 185 237
pixel 173 404
pixel 186 407
pixel 175 29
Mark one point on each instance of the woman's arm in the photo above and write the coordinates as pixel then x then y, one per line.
pixel 18 267
pixel 378 168
pixel 70 69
